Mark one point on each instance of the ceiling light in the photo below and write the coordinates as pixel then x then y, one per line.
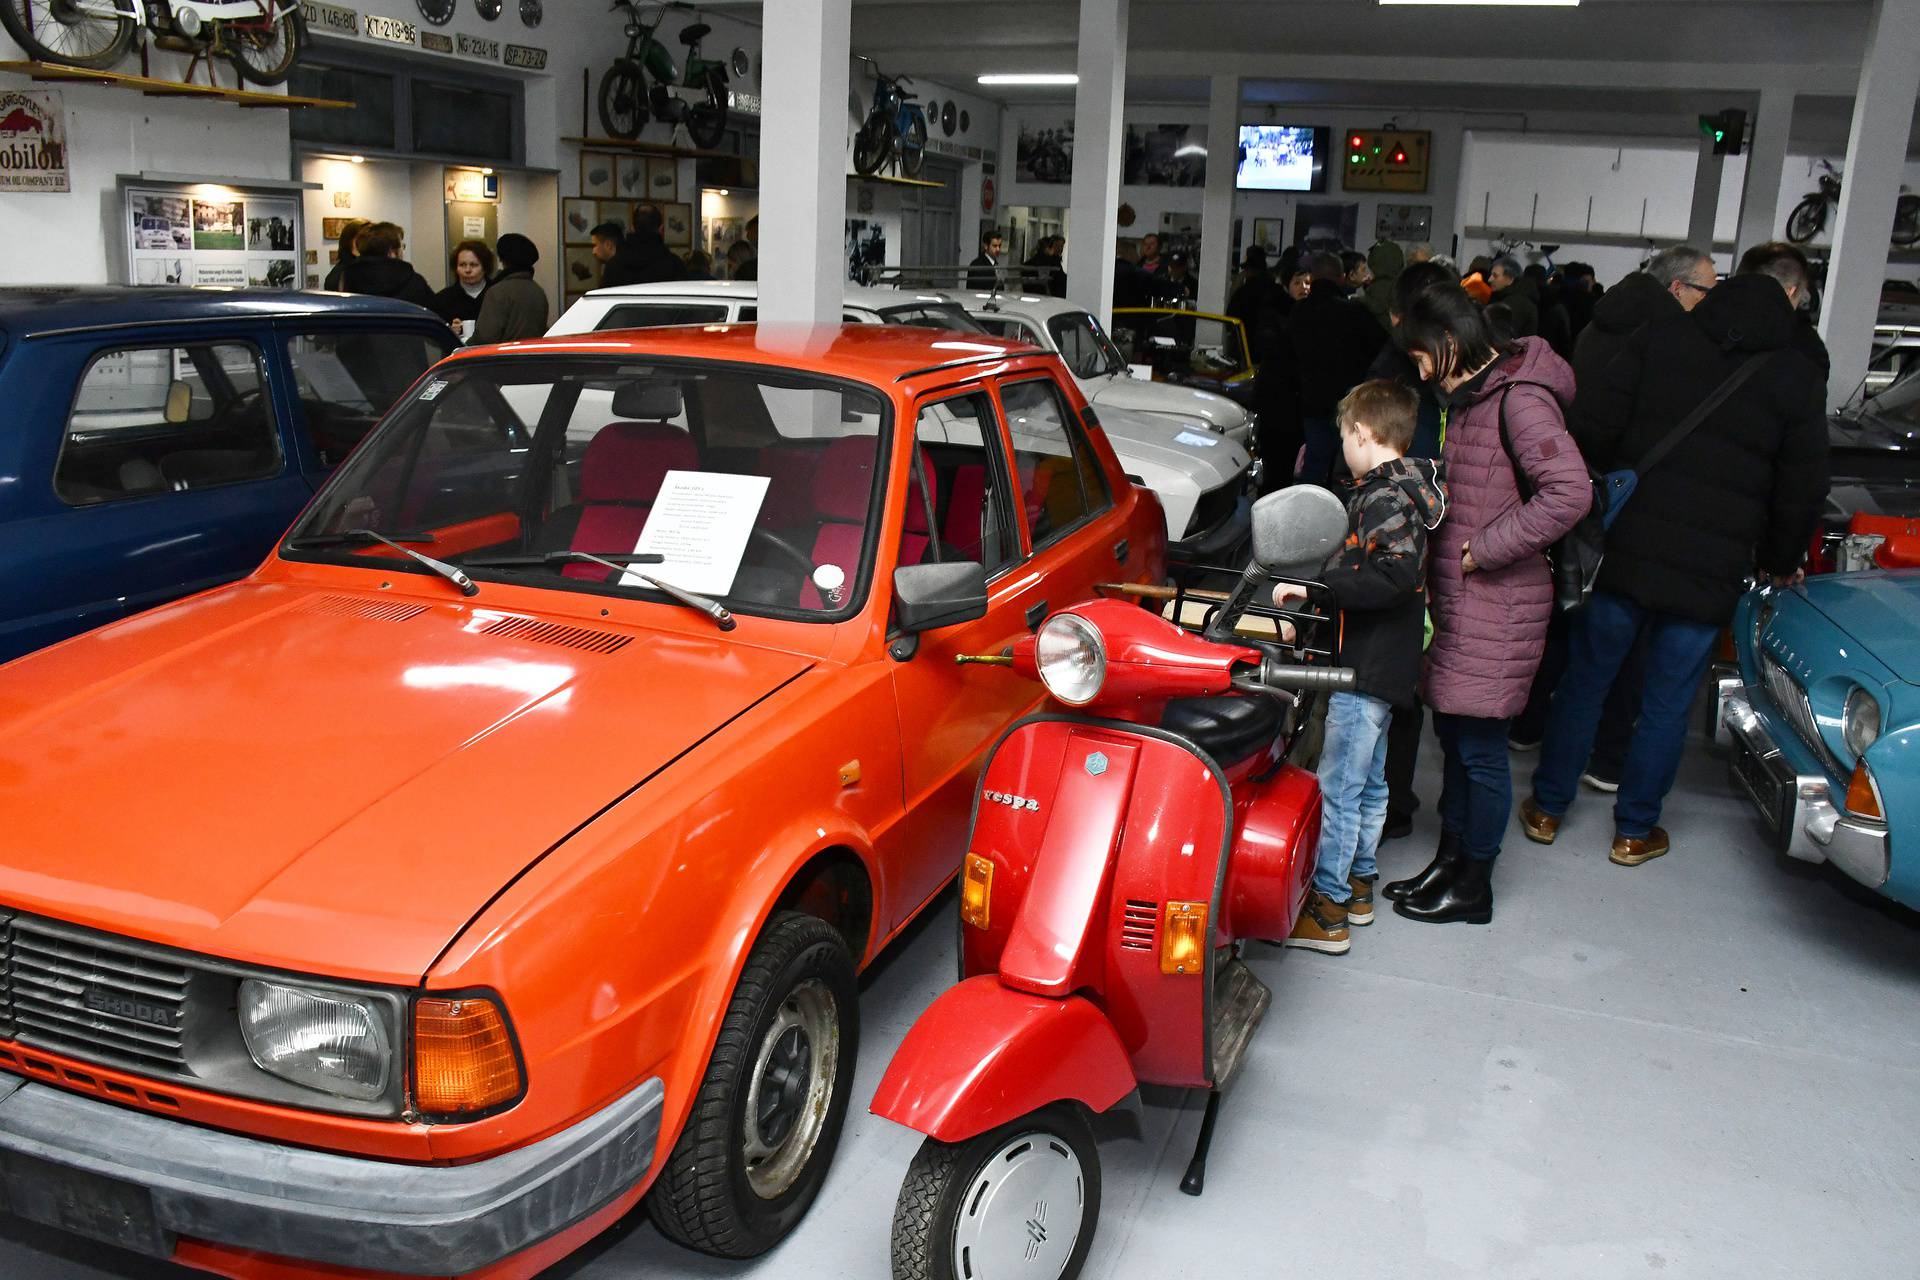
pixel 1030 77
pixel 1535 4
pixel 358 159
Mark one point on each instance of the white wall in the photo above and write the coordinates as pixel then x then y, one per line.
pixel 75 237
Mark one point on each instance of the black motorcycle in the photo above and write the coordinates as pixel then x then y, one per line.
pixel 643 85
pixel 261 38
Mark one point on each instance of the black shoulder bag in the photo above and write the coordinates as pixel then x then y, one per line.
pixel 1577 557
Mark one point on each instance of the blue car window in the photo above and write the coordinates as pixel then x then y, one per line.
pixel 149 420
pixel 346 381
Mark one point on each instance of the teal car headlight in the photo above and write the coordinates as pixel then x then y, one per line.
pixel 1860 722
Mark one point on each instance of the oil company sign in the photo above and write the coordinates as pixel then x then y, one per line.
pixel 33 141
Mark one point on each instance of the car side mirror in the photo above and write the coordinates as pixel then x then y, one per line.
pixel 1297 529
pixel 927 597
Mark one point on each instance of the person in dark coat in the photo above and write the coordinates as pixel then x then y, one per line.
pixel 619 256
pixel 350 233
pixel 1512 290
pixel 644 257
pixel 1132 287
pixel 514 306
pixel 1259 303
pixel 1791 267
pixel 378 269
pixel 985 276
pixel 1333 341
pixel 1744 490
pixel 1491 587
pixel 459 303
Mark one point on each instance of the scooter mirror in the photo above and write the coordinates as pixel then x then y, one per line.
pixel 1296 529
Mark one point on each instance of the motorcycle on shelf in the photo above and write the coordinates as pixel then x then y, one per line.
pixel 895 128
pixel 1124 843
pixel 261 38
pixel 1809 217
pixel 646 84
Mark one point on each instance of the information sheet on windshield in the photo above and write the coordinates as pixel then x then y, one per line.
pixel 699 526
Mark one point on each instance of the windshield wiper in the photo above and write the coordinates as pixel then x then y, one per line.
pixel 620 564
pixel 539 558
pixel 347 537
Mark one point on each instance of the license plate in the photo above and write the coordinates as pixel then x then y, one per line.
pixel 86 1204
pixel 1770 794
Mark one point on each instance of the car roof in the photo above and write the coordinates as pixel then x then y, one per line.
pixel 749 291
pixel 35 310
pixel 1041 305
pixel 870 353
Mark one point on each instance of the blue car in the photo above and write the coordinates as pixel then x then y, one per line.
pixel 1825 725
pixel 156 442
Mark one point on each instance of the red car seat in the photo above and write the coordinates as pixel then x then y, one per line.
pixel 842 488
pixel 620 476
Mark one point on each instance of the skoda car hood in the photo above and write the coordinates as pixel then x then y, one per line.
pixel 1210 460
pixel 1118 391
pixel 332 783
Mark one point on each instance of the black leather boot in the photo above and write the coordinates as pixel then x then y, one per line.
pixel 1438 871
pixel 1466 895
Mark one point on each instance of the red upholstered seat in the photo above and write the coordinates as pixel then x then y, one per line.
pixel 962 526
pixel 842 488
pixel 620 476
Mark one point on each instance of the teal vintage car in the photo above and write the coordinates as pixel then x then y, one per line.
pixel 1825 725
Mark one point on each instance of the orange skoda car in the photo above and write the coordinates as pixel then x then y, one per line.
pixel 505 848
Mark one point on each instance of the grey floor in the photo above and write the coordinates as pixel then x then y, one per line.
pixel 1704 1067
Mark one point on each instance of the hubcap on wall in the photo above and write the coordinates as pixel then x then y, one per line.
pixel 791 1088
pixel 1022 1213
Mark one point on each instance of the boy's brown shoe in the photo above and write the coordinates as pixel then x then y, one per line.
pixel 1360 906
pixel 1322 926
pixel 1541 827
pixel 1632 852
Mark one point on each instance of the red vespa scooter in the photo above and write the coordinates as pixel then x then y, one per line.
pixel 1119 852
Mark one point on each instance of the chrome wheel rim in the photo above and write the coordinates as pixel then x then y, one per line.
pixel 791 1089
pixel 1023 1211
pixel 70 28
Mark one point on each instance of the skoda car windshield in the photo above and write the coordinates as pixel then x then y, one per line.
pixel 755 488
pixel 1085 346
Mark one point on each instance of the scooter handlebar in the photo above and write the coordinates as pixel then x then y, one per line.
pixel 1288 677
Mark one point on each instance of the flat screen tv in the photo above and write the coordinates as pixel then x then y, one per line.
pixel 1283 157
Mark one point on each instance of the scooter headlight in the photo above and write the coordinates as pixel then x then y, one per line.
pixel 1860 723
pixel 1072 658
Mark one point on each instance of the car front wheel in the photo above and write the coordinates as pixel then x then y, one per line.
pixel 768 1115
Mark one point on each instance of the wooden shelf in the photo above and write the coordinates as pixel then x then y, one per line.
pixel 891 181
pixel 649 148
pixel 156 88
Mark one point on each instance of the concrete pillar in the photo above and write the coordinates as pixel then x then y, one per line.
pixel 1766 161
pixel 803 161
pixel 1094 198
pixel 1216 213
pixel 1706 195
pixel 1876 159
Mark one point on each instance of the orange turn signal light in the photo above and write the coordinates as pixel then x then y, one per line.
pixel 463 1058
pixel 1183 938
pixel 976 890
pixel 1863 798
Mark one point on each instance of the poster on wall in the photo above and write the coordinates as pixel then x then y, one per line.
pixel 1165 155
pixel 866 248
pixel 187 235
pixel 1410 222
pixel 1326 228
pixel 33 141
pixel 1044 153
pixel 1271 235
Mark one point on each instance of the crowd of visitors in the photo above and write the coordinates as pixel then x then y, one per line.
pixel 1468 416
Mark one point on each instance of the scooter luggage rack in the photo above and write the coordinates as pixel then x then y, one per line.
pixel 1315 629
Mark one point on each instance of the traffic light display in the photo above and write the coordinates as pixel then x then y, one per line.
pixel 1728 129
pixel 1387 159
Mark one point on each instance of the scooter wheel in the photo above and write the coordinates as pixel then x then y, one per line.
pixel 1016 1203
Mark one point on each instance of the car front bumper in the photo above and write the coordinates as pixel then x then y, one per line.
pixel 1796 801
pixel 141 1181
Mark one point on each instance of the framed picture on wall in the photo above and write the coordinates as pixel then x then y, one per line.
pixel 578 216
pixel 1404 222
pixel 678 217
pixel 330 228
pixel 581 270
pixel 1329 228
pixel 1270 234
pixel 663 178
pixel 598 172
pixel 630 176
pixel 620 211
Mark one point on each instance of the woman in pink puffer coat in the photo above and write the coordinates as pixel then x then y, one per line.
pixel 1491 588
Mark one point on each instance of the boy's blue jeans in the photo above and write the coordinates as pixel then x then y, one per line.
pixel 1353 792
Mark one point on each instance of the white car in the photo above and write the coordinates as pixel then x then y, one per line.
pixel 1204 478
pixel 1098 365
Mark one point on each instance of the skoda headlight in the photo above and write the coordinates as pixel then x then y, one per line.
pixel 1860 723
pixel 1072 658
pixel 323 1040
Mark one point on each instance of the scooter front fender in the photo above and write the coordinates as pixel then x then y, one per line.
pixel 983 1055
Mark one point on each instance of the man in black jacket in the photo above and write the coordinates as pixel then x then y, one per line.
pixel 1519 295
pixel 648 260
pixel 1744 489
pixel 381 271
pixel 1333 341
pixel 618 256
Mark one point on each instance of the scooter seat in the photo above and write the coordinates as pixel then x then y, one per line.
pixel 695 34
pixel 1228 729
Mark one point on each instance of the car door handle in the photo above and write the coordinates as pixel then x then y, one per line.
pixel 1036 614
pixel 1120 550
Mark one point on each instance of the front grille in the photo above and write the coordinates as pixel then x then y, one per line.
pixel 1792 701
pixel 538 632
pixel 1214 509
pixel 79 994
